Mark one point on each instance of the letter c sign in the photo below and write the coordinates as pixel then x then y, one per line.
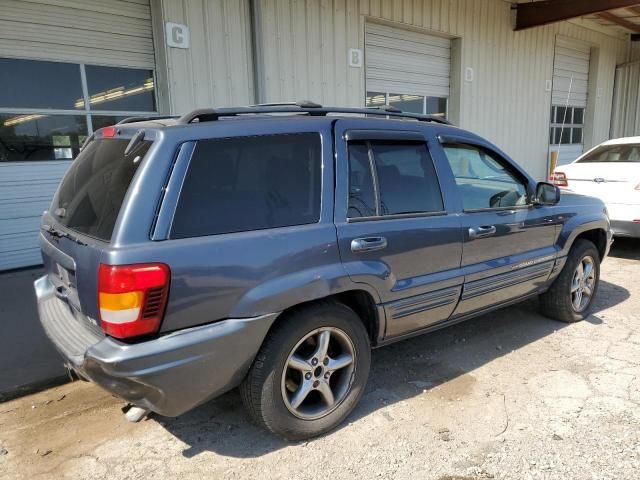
pixel 177 35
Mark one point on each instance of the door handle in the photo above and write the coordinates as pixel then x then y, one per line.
pixel 368 244
pixel 481 232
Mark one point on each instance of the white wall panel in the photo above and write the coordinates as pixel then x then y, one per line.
pixel 626 105
pixel 304 46
pixel 217 69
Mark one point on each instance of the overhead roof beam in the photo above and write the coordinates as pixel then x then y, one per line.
pixel 543 12
pixel 610 17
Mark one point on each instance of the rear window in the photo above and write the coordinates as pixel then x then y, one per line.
pixel 250 183
pixel 91 194
pixel 613 154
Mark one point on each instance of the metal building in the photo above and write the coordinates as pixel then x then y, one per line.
pixel 530 79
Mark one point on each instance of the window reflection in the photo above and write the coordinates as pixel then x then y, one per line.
pixel 119 89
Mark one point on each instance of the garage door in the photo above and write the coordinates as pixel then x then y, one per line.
pixel 67 68
pixel 569 98
pixel 407 69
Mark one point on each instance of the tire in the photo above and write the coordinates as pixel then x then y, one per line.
pixel 559 301
pixel 269 390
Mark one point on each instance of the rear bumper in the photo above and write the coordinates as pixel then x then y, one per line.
pixel 625 229
pixel 168 375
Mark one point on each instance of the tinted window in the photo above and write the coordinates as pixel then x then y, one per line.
pixel 483 180
pixel 362 201
pixel 250 183
pixel 91 194
pixel 406 179
pixel 123 89
pixel 613 153
pixel 37 84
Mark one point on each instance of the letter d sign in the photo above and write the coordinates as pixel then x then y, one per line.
pixel 177 35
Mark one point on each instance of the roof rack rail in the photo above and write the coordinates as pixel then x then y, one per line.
pixel 146 118
pixel 310 108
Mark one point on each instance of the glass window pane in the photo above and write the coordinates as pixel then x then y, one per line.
pixel 124 89
pixel 101 121
pixel 560 115
pixel 551 132
pixel 26 137
pixel 553 114
pixel 406 102
pixel 250 183
pixel 362 201
pixel 483 181
pixel 566 136
pixel 437 106
pixel 36 84
pixel 577 135
pixel 92 192
pixel 613 153
pixel 578 116
pixel 407 178
pixel 376 99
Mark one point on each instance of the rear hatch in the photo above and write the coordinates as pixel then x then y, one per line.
pixel 82 217
pixel 609 172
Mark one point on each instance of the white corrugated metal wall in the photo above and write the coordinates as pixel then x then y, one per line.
pixel 626 104
pixel 304 55
pixel 114 33
pixel 217 69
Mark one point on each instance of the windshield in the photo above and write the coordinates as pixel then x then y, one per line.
pixel 91 193
pixel 629 153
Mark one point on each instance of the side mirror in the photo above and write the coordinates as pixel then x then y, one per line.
pixel 546 194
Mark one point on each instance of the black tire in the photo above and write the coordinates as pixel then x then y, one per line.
pixel 556 303
pixel 263 390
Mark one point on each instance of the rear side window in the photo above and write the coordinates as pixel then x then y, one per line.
pixel 405 179
pixel 250 183
pixel 613 154
pixel 91 193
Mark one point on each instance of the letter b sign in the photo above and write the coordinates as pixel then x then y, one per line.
pixel 177 35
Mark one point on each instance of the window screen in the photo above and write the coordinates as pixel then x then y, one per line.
pixel 250 183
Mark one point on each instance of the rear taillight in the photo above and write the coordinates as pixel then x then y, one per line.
pixel 559 179
pixel 132 298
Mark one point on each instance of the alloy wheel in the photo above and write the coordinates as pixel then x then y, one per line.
pixel 583 284
pixel 318 374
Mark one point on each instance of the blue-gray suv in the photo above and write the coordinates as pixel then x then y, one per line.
pixel 270 247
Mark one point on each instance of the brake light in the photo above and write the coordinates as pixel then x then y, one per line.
pixel 108 132
pixel 132 298
pixel 559 179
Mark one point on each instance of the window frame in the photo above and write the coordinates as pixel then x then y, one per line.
pixel 370 136
pixel 86 111
pixel 570 125
pixel 498 157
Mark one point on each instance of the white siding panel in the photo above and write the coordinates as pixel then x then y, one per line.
pixel 626 105
pixel 26 189
pixel 217 69
pixel 571 72
pixel 116 33
pixel 506 102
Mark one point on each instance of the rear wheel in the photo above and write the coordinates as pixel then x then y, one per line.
pixel 570 297
pixel 310 372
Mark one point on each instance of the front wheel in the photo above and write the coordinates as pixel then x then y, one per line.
pixel 310 372
pixel 571 296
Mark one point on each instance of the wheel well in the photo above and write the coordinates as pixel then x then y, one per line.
pixel 360 301
pixel 598 237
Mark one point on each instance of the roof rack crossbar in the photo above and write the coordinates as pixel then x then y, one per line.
pixel 144 118
pixel 211 114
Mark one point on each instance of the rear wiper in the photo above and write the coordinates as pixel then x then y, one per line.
pixel 58 234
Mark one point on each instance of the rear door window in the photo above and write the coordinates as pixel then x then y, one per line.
pixel 250 183
pixel 91 193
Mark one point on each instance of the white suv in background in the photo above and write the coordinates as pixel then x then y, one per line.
pixel 611 172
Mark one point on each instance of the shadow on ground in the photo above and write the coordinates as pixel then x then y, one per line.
pixel 398 372
pixel 628 248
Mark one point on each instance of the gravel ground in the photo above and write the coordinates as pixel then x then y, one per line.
pixel 508 395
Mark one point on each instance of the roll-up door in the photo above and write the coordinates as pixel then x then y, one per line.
pixel 67 68
pixel 407 69
pixel 569 98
